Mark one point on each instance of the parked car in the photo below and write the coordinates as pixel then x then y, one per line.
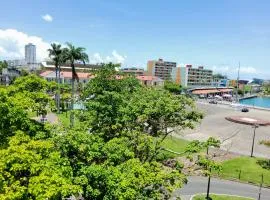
pixel 213 102
pixel 245 109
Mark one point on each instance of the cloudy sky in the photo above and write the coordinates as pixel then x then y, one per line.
pixel 216 34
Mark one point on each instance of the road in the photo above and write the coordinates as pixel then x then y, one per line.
pixel 198 184
pixel 235 137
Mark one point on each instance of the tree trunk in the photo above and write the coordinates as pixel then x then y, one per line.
pixel 58 91
pixel 72 100
pixel 56 94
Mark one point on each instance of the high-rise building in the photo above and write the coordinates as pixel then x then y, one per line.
pixel 133 70
pixel 30 54
pixel 160 68
pixel 199 76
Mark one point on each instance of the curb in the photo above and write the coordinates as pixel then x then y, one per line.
pixel 239 181
pixel 191 198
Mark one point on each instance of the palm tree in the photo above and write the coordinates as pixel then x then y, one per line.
pixel 56 54
pixel 74 54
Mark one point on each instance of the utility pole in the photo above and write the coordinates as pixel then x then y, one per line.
pixel 253 140
pixel 208 186
pixel 237 86
pixel 260 190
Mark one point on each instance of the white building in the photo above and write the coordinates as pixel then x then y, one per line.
pixel 30 54
pixel 16 63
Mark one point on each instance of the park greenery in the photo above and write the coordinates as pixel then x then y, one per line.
pixel 220 197
pixel 246 169
pixel 3 64
pixel 172 87
pixel 114 153
pixel 118 147
pixel 266 89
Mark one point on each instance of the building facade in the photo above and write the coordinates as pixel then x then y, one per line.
pixel 30 54
pixel 160 68
pixel 66 77
pixel 133 71
pixel 150 80
pixel 199 77
pixel 16 63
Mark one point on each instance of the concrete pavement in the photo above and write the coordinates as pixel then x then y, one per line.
pixel 237 137
pixel 197 184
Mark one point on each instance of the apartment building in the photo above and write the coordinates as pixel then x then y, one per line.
pixel 160 68
pixel 199 77
pixel 133 71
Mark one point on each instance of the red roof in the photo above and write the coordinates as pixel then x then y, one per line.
pixel 209 91
pixel 45 73
pixel 147 78
pixel 69 74
pixel 80 75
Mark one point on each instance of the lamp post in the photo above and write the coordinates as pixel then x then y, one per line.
pixel 254 122
pixel 255 126
pixel 208 186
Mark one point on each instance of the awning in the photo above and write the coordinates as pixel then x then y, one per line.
pixel 211 91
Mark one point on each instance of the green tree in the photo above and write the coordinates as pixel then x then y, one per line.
pixel 74 54
pixel 32 169
pixel 14 114
pixel 33 88
pixel 266 89
pixel 114 155
pixel 56 54
pixel 211 142
pixel 3 64
pixel 172 87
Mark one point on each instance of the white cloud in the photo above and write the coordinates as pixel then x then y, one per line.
pixel 248 70
pixel 221 69
pixel 47 18
pixel 12 43
pixel 114 58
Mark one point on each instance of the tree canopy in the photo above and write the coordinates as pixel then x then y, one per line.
pixel 172 87
pixel 113 154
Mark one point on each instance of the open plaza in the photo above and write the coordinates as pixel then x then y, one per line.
pixel 235 137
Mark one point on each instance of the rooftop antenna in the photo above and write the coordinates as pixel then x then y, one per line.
pixel 237 100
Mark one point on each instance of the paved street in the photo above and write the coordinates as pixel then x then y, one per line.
pixel 199 185
pixel 237 137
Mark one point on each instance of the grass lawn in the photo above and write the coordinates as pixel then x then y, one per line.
pixel 220 197
pixel 251 171
pixel 174 144
pixel 65 119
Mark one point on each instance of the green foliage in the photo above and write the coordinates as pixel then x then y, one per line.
pixel 240 92
pixel 72 54
pixel 219 76
pixel 32 169
pixel 194 146
pixel 3 64
pixel 14 116
pixel 112 154
pixel 251 170
pixel 212 142
pixel 266 89
pixel 172 87
pixel 208 164
pixel 221 197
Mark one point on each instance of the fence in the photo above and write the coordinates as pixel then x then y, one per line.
pixel 247 177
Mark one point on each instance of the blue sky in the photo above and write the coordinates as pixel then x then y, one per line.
pixel 216 34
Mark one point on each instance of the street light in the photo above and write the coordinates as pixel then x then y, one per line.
pixel 255 126
pixel 255 123
pixel 208 186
